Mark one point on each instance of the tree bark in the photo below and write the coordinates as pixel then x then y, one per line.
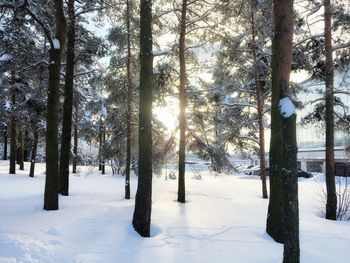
pixel 100 144
pixel 34 150
pixel 75 146
pixel 182 100
pixel 280 64
pixel 291 252
pixel 20 150
pixel 51 182
pixel 103 166
pixel 68 103
pixel 143 200
pixel 260 107
pixel 286 163
pixel 331 205
pixel 26 147
pixel 129 101
pixel 5 144
pixel 13 144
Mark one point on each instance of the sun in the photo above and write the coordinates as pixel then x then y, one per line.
pixel 168 115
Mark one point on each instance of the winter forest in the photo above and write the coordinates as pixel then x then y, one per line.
pixel 175 131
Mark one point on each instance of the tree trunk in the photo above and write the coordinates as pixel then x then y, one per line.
pixel 34 150
pixel 100 148
pixel 291 252
pixel 13 144
pixel 287 161
pixel 281 60
pixel 103 166
pixel 260 107
pixel 5 144
pixel 68 103
pixel 143 200
pixel 331 205
pixel 129 101
pixel 182 100
pixel 20 150
pixel 26 147
pixel 51 182
pixel 75 146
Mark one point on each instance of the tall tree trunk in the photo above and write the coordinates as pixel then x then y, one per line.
pixel 182 100
pixel 129 101
pixel 75 145
pixel 5 144
pixel 291 252
pixel 100 144
pixel 68 103
pixel 331 205
pixel 286 132
pixel 57 47
pixel 34 150
pixel 26 147
pixel 143 200
pixel 103 166
pixel 13 144
pixel 20 150
pixel 260 107
pixel 281 60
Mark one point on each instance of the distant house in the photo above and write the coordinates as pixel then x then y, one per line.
pixel 314 160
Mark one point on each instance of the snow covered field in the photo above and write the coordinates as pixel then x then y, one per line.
pixel 223 221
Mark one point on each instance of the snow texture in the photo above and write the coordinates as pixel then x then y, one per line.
pixel 7 105
pixel 56 43
pixel 103 111
pixel 5 57
pixel 223 221
pixel 287 108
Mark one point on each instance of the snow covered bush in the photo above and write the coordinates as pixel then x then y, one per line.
pixel 87 153
pixel 343 196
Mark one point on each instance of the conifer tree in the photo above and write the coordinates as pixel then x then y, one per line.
pixel 56 49
pixel 331 205
pixel 143 201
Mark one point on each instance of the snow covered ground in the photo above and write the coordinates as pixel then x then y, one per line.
pixel 223 221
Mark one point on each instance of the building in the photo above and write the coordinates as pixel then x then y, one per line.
pixel 314 160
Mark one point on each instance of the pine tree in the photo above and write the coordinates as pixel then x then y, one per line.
pixel 182 100
pixel 56 49
pixel 5 135
pixel 68 102
pixel 283 164
pixel 331 205
pixel 129 101
pixel 75 142
pixel 13 137
pixel 259 103
pixel 143 201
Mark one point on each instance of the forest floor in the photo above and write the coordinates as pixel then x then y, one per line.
pixel 222 221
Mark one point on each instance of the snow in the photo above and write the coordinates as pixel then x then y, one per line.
pixel 5 57
pixel 7 105
pixel 223 221
pixel 56 43
pixel 287 108
pixel 103 111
